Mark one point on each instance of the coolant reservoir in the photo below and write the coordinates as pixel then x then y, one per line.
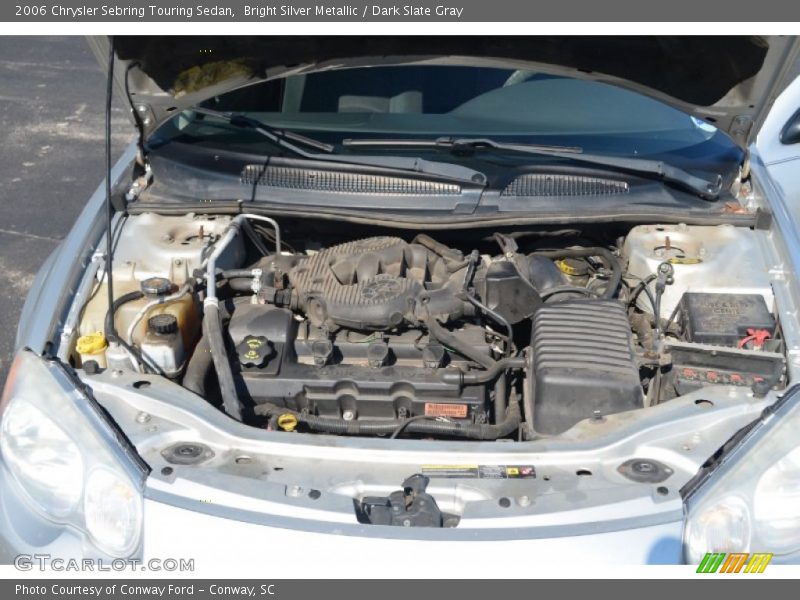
pixel 717 259
pixel 157 246
pixel 162 343
pixel 184 309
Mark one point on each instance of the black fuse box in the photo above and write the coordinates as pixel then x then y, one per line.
pixel 723 319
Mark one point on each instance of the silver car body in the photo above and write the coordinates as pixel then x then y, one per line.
pixel 782 160
pixel 261 498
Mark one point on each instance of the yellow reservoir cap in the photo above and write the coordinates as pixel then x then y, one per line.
pixel 287 422
pixel 566 268
pixel 93 343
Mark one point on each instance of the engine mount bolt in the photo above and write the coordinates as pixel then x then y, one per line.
pixel 142 417
pixel 348 415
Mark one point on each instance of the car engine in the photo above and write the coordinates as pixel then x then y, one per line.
pixel 493 335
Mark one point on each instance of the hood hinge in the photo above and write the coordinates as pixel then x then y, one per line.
pixel 740 129
pixel 142 182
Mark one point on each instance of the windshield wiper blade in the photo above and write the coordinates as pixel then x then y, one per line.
pixel 283 138
pixel 708 190
pixel 280 137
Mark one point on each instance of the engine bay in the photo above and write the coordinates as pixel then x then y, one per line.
pixel 303 327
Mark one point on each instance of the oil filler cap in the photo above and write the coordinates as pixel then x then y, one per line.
pixel 254 351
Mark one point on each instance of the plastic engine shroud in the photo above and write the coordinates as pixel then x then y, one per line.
pixel 374 284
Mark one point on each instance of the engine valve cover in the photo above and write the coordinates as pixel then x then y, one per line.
pixel 374 376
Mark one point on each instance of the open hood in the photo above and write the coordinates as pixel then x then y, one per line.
pixel 730 82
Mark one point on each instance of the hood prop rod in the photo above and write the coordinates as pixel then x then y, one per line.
pixel 111 329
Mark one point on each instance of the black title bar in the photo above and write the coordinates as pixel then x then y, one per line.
pixel 711 11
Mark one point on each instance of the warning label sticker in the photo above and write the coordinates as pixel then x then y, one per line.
pixel 456 411
pixel 480 471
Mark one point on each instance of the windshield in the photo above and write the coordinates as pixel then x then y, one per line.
pixel 400 102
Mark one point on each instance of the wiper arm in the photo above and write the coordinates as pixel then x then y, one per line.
pixel 709 190
pixel 289 140
pixel 280 137
pixel 460 143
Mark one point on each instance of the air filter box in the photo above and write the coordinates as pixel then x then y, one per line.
pixel 583 363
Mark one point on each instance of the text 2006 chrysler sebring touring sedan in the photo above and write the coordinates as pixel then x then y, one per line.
pixel 396 299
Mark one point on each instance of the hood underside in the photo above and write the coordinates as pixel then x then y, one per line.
pixel 728 81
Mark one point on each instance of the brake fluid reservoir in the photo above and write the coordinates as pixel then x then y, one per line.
pixel 718 259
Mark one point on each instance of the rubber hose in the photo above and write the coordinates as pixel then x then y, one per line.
pixel 567 289
pixel 461 378
pixel 240 284
pixel 197 369
pixel 212 331
pixel 124 299
pixel 643 286
pixel 500 391
pixel 438 248
pixel 450 340
pixel 112 336
pixel 497 318
pixel 613 263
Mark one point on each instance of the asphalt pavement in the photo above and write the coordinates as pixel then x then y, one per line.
pixel 52 94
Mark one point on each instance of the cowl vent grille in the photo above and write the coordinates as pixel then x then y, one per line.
pixel 549 184
pixel 354 183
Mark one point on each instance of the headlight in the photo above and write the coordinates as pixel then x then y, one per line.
pixel 66 458
pixel 751 502
pixel 40 453
pixel 113 511
pixel 776 503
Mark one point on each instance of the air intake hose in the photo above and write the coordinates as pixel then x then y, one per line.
pixel 608 256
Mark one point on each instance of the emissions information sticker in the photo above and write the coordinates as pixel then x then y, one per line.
pixel 480 471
